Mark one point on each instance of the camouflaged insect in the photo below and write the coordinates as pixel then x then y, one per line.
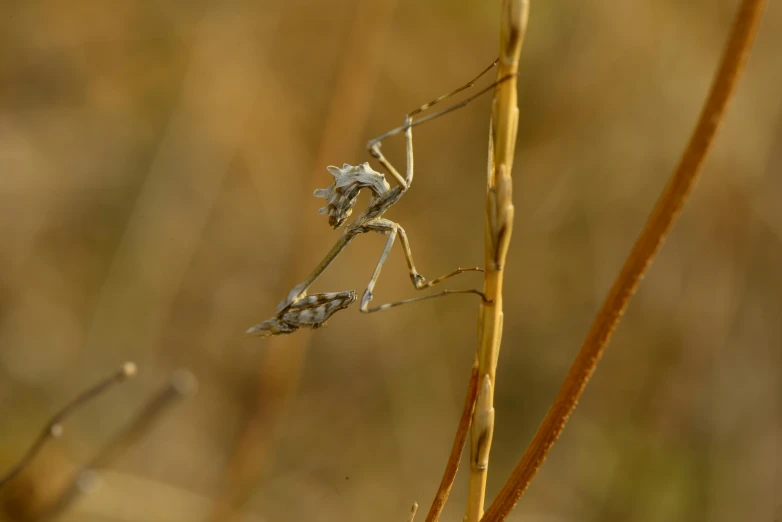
pixel 299 309
pixel 343 192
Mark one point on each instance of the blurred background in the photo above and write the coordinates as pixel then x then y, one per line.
pixel 157 160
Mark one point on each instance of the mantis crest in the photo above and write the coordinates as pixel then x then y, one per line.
pixel 299 309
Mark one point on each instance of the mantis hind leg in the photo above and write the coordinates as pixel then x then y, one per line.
pixel 385 226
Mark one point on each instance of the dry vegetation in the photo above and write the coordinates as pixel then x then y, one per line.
pixel 157 161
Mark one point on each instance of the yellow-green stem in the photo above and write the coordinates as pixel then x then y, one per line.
pixel 498 227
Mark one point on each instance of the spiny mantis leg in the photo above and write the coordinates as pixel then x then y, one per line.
pixel 302 287
pixel 324 305
pixel 385 226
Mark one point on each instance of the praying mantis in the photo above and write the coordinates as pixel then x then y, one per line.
pixel 299 309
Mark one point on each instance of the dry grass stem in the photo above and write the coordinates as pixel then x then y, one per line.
pixel 456 450
pixel 413 511
pixel 646 246
pixel 498 227
pixel 54 429
pixel 182 384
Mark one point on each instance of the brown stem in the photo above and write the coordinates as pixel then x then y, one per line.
pixel 456 450
pixel 646 246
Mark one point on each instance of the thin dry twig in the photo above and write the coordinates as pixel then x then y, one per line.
pixel 54 429
pixel 413 511
pixel 452 466
pixel 646 246
pixel 498 227
pixel 182 384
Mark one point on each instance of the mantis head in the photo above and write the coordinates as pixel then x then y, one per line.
pixel 343 191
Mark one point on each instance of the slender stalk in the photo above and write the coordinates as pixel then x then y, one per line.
pixel 646 246
pixel 181 385
pixel 498 227
pixel 456 450
pixel 53 428
pixel 413 511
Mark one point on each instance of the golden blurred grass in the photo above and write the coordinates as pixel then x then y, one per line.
pixel 154 155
